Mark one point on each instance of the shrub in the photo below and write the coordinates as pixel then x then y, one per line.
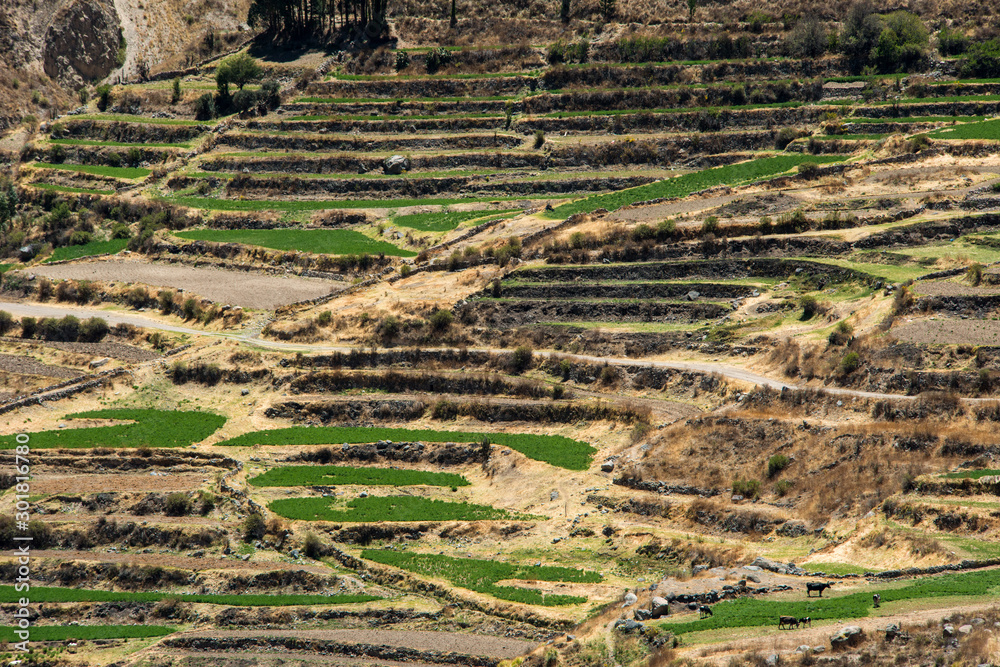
pixel 245 100
pixel 137 297
pixel 841 334
pixel 44 289
pixel 103 93
pixel 784 137
pixel 388 328
pixel 402 60
pixel 441 319
pixel 782 487
pixel 204 107
pixel 437 59
pixel 809 170
pixel 29 325
pixel 710 225
pixel 808 39
pixel 748 488
pixel 6 322
pixel 324 318
pixel 239 70
pixel 270 94
pixel 178 504
pixel 809 306
pixel 849 363
pixel 952 42
pixel 175 95
pixel 166 299
pixel 539 139
pixel 521 358
pixel 982 60
pixel 93 330
pixel 776 464
pixel 191 309
pixel 312 547
pixel 975 274
pixel 206 503
pixel 254 527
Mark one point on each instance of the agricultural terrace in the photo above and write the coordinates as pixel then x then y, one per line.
pixel 555 450
pixel 482 575
pixel 373 509
pixel 344 476
pixel 143 428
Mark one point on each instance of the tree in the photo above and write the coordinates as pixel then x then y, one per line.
pixel 808 39
pixel 901 43
pixel 564 11
pixel 454 15
pixel 239 70
pixel 860 34
pixel 692 5
pixel 176 97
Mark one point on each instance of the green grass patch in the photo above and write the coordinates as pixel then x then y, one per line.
pixel 836 568
pixel 853 137
pixel 681 186
pixel 972 474
pixel 54 594
pixel 70 190
pixel 211 204
pixel 54 633
pixel 373 509
pixel 98 169
pixel 444 221
pixel 121 144
pixel 482 575
pixel 987 129
pixel 555 450
pixel 748 612
pixel 918 119
pixel 387 100
pixel 320 241
pixel 145 428
pixel 88 249
pixel 338 475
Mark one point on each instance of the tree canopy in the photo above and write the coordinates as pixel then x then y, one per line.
pixel 317 17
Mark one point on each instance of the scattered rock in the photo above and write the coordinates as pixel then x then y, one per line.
pixel 660 607
pixel 847 637
pixel 396 165
pixel 948 630
pixel 965 629
pixel 630 599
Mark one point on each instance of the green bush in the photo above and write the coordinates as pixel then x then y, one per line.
pixel 748 488
pixel 441 319
pixel 710 225
pixel 29 325
pixel 808 39
pixel 93 330
pixel 204 107
pixel 776 464
pixel 782 487
pixel 902 43
pixel 982 60
pixel 254 527
pixel 178 504
pixel 849 363
pixel 521 358
pixel 809 305
pixel 952 42
pixel 103 92
pixel 175 95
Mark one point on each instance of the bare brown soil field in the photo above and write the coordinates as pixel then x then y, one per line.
pixel 949 332
pixel 28 366
pixel 111 483
pixel 485 645
pixel 106 348
pixel 953 288
pixel 171 560
pixel 233 287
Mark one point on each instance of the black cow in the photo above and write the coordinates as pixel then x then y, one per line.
pixel 806 621
pixel 877 599
pixel 817 586
pixel 787 622
pixel 704 610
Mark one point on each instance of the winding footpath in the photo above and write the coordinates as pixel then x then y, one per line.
pixel 725 370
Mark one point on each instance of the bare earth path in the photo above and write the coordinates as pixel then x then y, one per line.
pixel 725 370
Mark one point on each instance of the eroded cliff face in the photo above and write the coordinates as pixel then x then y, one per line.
pixel 81 44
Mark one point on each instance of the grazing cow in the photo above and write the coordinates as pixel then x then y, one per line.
pixel 704 610
pixel 787 622
pixel 806 621
pixel 877 599
pixel 817 586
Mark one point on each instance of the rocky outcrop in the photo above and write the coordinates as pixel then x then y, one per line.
pixel 82 42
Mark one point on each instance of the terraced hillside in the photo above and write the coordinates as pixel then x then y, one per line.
pixel 318 381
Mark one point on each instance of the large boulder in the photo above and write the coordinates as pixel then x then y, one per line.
pixel 82 42
pixel 396 165
pixel 660 607
pixel 847 637
pixel 630 599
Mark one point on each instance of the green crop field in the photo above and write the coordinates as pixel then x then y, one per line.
pixel 98 170
pixel 320 241
pixel 373 509
pixel 119 144
pixel 145 428
pixel 52 633
pixel 482 575
pixel 556 450
pixel 749 612
pixel 987 129
pixel 88 249
pixel 212 204
pixel 54 594
pixel 71 190
pixel 681 186
pixel 341 475
pixel 446 220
